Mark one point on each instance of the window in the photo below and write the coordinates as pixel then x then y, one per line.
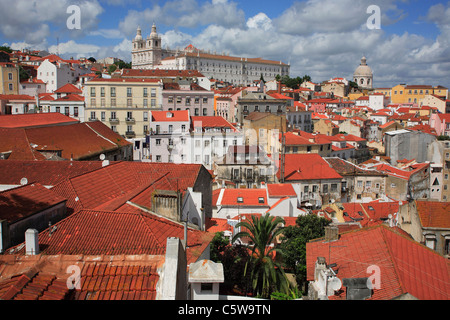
pixel 359 184
pixel 102 115
pixel 158 158
pixel 183 128
pixel 179 99
pixel 145 116
pixel 129 92
pixel 129 115
pixel 129 102
pixel 333 187
pixel 75 111
pixel 129 128
pixel 196 112
pixel 113 102
pixel 113 115
pixel 188 101
pixel 145 92
pixel 158 142
pixel 10 76
pixel 170 99
pixel 93 115
pixel 261 200
pixel 205 112
pixel 102 91
pixel 325 188
pixel 153 103
pixel 92 91
pixel 240 200
pixel 113 91
pixel 153 92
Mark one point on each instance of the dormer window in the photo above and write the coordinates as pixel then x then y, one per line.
pixel 261 200
pixel 169 115
pixel 240 200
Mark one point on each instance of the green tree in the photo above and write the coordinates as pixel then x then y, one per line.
pixel 266 273
pixel 294 239
pixel 112 68
pixel 6 49
pixel 233 259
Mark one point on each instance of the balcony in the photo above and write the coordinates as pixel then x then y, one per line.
pixel 130 120
pixel 114 120
pixel 130 134
pixel 93 119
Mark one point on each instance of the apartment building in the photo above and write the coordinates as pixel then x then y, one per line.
pixel 124 105
pixel 9 78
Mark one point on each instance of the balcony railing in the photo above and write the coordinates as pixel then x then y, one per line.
pixel 130 134
pixel 130 120
pixel 114 120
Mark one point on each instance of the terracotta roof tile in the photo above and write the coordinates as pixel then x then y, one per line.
pixel 405 265
pixel 34 120
pixel 24 201
pixel 434 214
pixel 307 167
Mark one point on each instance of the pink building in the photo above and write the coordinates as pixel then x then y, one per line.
pixel 441 123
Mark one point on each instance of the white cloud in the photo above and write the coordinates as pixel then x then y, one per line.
pixel 185 14
pixel 30 20
pixel 260 21
pixel 75 49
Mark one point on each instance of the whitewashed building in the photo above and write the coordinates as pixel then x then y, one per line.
pixel 149 54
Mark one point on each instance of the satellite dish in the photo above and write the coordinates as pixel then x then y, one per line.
pixel 23 181
pixel 335 284
pixel 102 157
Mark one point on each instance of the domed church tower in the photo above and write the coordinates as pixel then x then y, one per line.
pixel 363 75
pixel 146 53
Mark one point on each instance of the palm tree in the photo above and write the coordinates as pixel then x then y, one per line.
pixel 266 274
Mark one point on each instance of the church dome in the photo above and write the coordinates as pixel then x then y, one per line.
pixel 363 70
pixel 138 35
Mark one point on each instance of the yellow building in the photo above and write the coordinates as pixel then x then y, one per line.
pixel 415 93
pixel 123 104
pixel 9 78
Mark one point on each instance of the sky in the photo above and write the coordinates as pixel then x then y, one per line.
pixel 320 38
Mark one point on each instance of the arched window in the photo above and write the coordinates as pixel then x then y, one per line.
pixel 362 81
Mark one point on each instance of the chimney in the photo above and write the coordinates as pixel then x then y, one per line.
pixel 331 233
pixel 31 242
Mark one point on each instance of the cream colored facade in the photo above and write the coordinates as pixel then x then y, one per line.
pixel 124 105
pixel 9 78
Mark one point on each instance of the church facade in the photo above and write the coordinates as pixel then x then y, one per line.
pixel 149 54
pixel 363 75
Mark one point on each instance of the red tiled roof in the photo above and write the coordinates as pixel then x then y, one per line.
pixel 110 187
pixel 250 197
pixel 292 139
pixel 405 265
pixel 170 116
pixel 16 97
pixel 101 277
pixel 119 80
pixel 77 141
pixel 47 173
pixel 71 97
pixel 307 167
pixel 434 214
pixel 90 232
pixel 34 120
pixel 68 88
pixel 281 190
pixel 212 122
pixel 24 201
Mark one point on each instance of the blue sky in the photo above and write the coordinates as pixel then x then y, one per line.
pixel 322 38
